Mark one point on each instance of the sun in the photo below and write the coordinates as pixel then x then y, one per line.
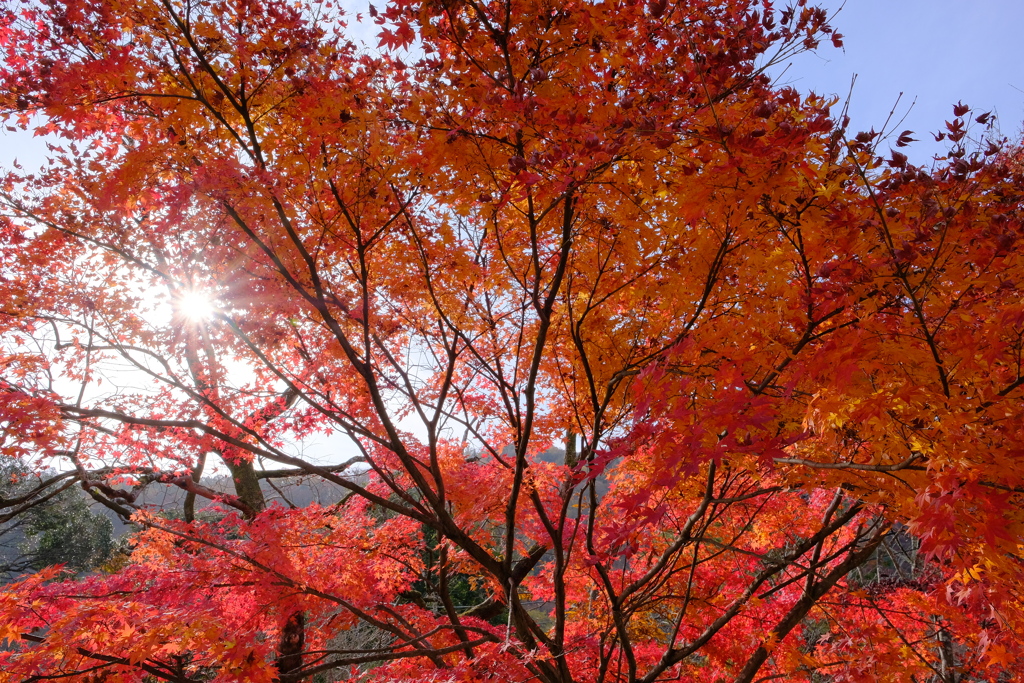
pixel 196 306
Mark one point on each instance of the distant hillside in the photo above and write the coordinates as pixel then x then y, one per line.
pixel 292 491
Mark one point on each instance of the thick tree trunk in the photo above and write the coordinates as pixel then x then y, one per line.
pixel 293 634
pixel 289 650
pixel 190 496
pixel 247 485
pixel 947 658
pixel 571 456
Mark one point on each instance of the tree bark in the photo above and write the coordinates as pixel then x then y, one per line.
pixel 289 650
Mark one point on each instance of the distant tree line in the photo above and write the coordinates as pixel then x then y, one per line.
pixel 58 529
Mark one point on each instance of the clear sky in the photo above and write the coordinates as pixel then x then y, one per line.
pixel 935 52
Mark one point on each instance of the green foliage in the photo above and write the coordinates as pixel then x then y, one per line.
pixel 65 531
pixel 461 589
pixel 57 527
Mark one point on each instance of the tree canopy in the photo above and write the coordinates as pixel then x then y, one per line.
pixel 782 364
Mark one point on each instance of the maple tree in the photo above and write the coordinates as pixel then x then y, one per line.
pixel 784 363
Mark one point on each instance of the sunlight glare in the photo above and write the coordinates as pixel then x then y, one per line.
pixel 196 306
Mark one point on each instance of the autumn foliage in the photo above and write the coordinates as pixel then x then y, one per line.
pixel 784 364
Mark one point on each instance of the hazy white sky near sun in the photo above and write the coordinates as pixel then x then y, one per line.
pixel 935 52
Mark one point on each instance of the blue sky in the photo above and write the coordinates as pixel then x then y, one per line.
pixel 935 52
